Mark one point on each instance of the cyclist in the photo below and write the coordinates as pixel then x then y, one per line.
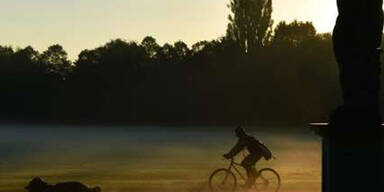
pixel 255 154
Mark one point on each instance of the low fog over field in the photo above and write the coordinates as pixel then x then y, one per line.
pixel 145 159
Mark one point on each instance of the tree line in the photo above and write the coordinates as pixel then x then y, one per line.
pixel 292 79
pixel 257 74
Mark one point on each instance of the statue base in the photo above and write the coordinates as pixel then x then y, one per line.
pixel 352 160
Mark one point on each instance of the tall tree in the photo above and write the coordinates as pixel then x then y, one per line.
pixel 250 24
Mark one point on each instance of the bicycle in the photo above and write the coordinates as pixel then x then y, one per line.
pixel 224 180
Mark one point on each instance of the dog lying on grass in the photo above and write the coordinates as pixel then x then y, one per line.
pixel 38 185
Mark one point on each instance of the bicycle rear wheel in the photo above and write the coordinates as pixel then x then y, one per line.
pixel 222 180
pixel 268 180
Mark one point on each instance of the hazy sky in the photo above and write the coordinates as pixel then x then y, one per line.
pixel 82 24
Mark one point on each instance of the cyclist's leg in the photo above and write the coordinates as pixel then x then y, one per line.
pixel 249 164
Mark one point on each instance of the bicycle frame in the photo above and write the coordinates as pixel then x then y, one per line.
pixel 234 165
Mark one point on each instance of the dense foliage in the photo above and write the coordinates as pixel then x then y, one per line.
pixel 290 80
pixel 250 24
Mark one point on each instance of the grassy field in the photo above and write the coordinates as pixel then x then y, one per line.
pixel 145 159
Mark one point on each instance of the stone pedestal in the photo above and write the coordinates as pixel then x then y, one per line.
pixel 351 160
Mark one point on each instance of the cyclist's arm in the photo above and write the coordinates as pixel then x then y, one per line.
pixel 236 149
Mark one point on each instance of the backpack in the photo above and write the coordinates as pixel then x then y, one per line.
pixel 267 154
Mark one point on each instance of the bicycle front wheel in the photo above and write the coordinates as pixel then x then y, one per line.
pixel 268 180
pixel 222 180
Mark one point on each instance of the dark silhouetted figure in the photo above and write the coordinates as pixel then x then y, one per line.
pixel 355 132
pixel 38 185
pixel 357 38
pixel 252 145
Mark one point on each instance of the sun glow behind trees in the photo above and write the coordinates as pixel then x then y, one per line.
pixel 322 13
